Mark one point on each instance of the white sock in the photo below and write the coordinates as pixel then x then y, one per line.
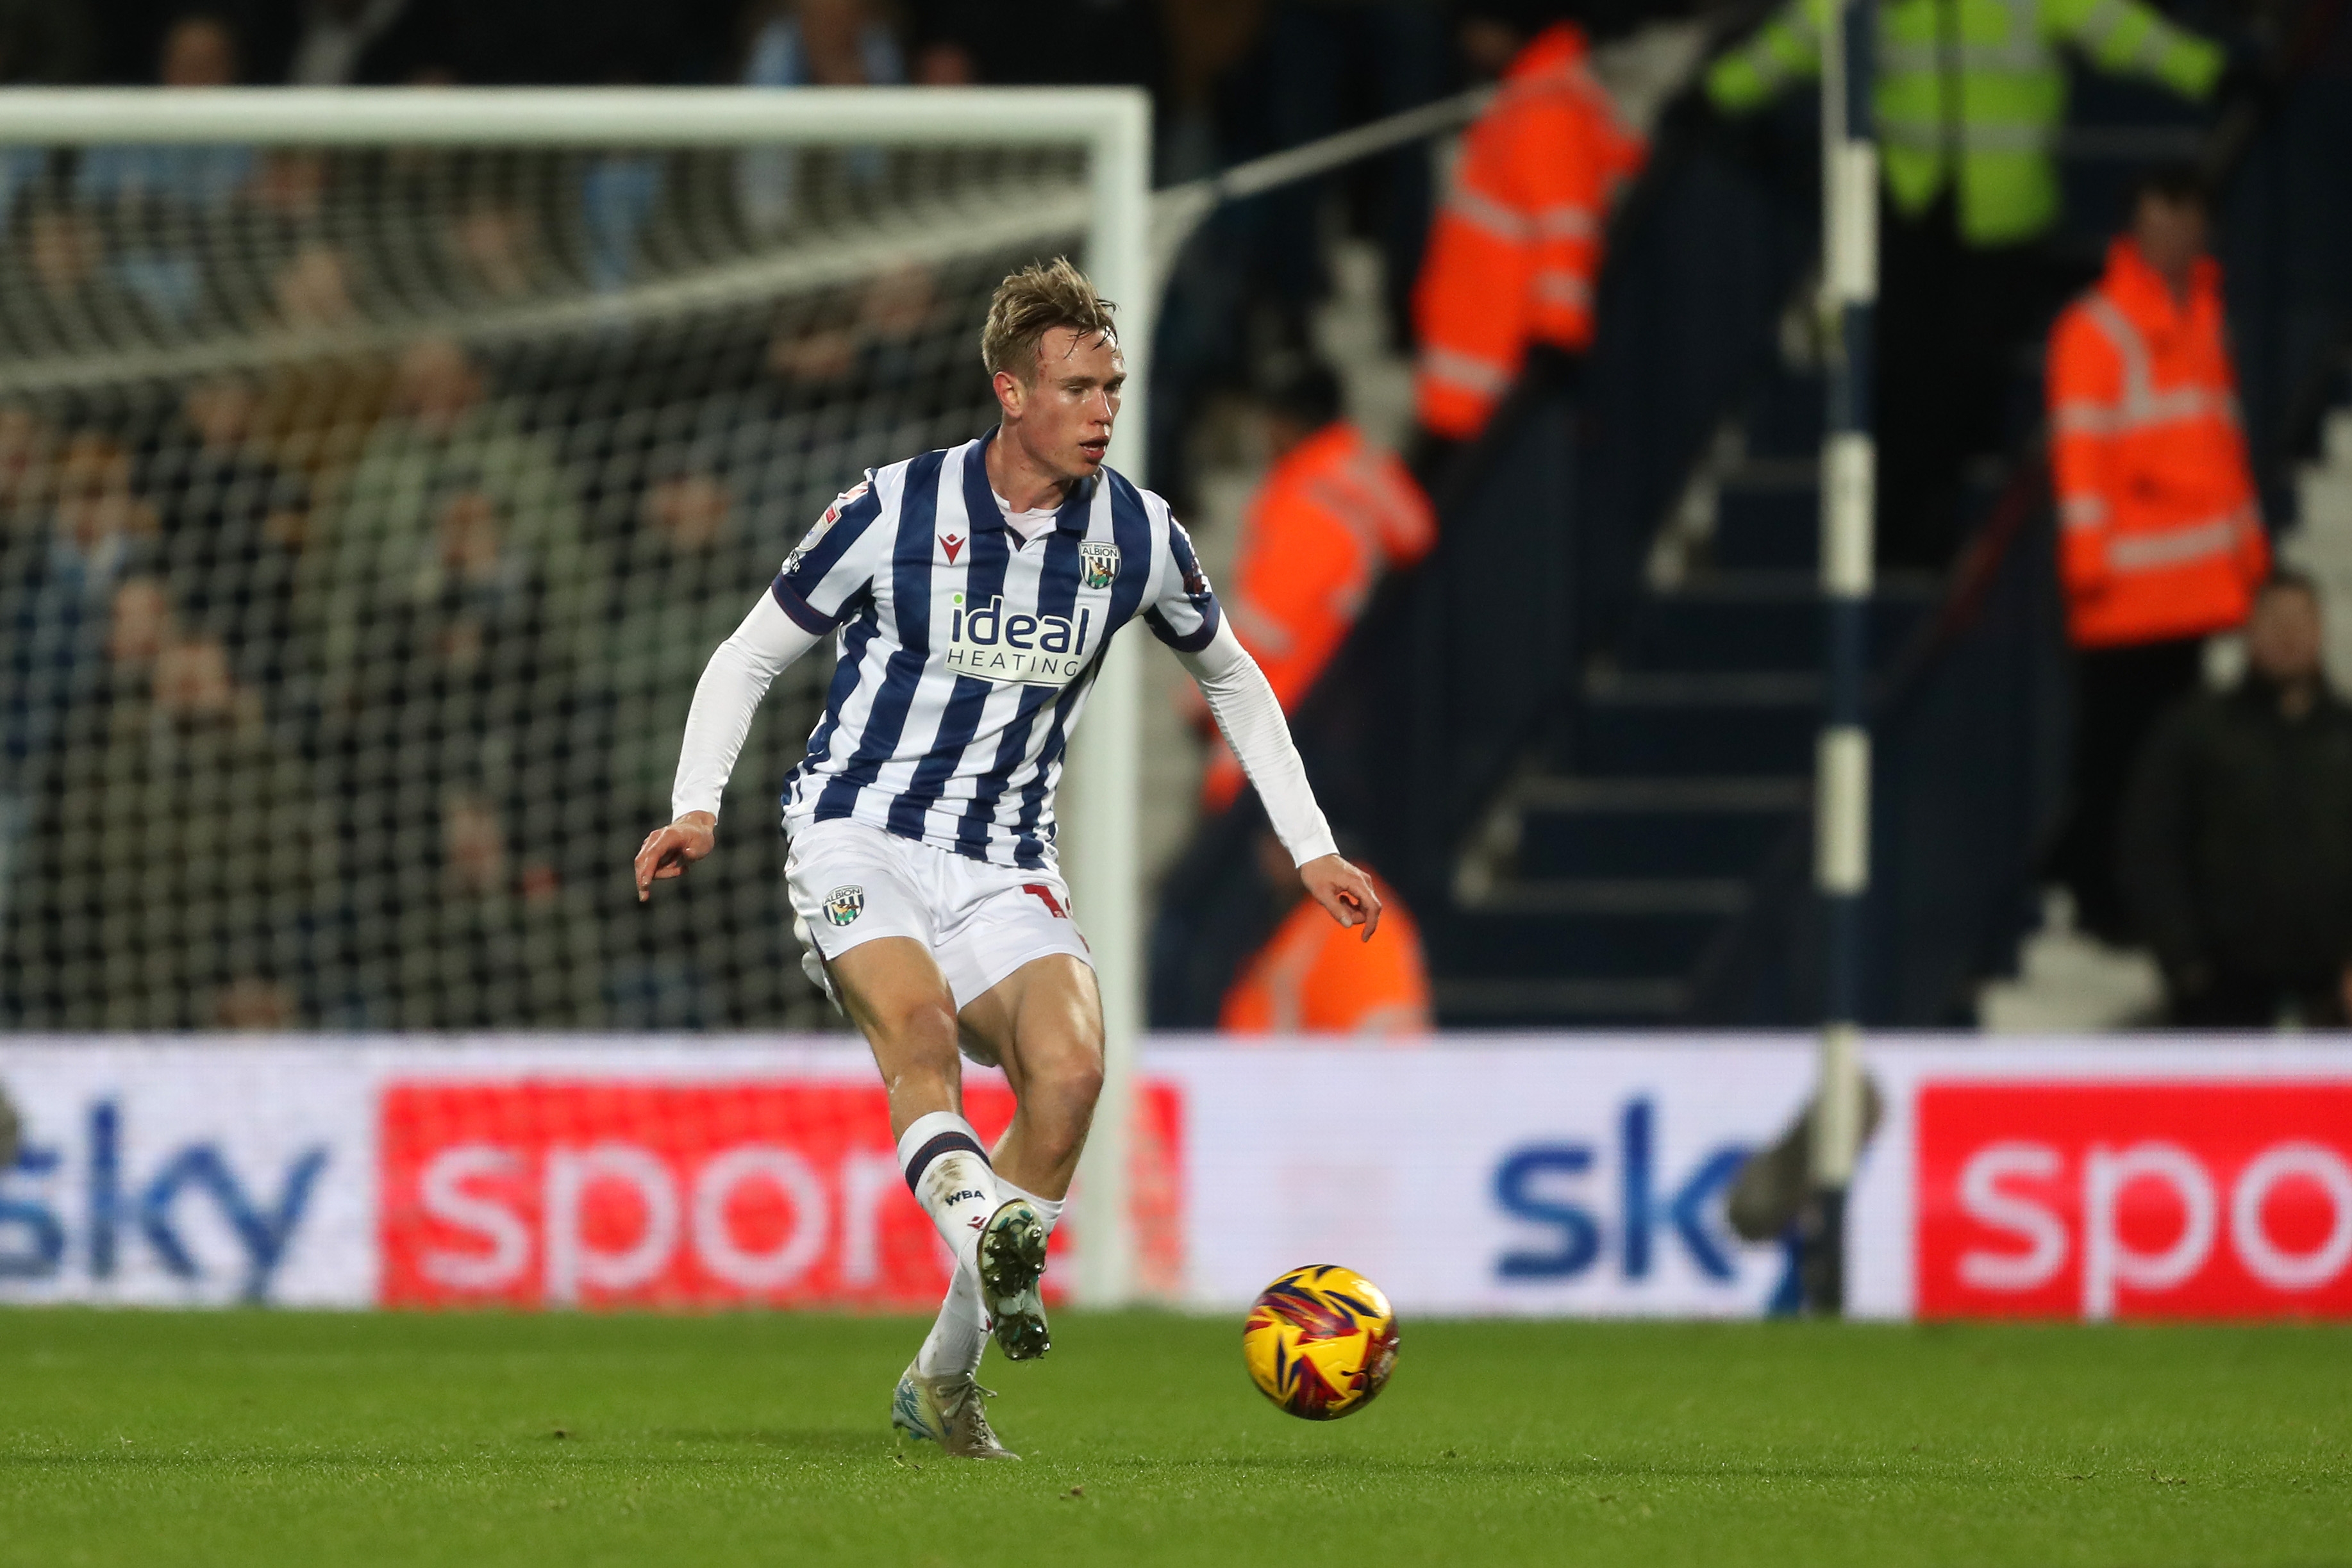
pixel 948 1172
pixel 959 1333
pixel 1048 1209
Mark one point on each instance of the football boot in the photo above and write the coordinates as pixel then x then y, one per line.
pixel 1011 1261
pixel 948 1410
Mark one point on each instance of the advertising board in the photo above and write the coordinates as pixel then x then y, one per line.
pixel 2144 1178
pixel 2139 1178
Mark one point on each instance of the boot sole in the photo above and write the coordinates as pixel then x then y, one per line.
pixel 1011 1261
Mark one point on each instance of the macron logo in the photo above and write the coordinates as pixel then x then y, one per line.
pixel 952 543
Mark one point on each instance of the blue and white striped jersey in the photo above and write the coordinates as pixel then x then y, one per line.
pixel 966 655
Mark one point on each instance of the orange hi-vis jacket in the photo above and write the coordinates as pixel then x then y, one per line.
pixel 1515 247
pixel 1314 976
pixel 1332 514
pixel 2160 534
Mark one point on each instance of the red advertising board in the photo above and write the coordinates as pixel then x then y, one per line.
pixel 668 1193
pixel 2133 1199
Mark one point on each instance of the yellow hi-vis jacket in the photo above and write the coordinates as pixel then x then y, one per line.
pixel 1976 85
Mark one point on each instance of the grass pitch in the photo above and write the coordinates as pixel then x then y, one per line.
pixel 266 1438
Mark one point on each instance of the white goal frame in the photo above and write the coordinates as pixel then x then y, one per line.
pixel 1113 124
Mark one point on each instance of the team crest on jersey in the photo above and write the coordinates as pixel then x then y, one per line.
pixel 1101 562
pixel 843 905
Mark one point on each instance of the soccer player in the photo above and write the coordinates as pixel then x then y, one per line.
pixel 973 591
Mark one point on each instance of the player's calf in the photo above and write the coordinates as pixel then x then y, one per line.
pixel 948 1174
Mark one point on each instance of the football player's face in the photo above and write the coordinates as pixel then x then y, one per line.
pixel 1066 408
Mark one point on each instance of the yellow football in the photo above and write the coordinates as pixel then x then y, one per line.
pixel 1321 1342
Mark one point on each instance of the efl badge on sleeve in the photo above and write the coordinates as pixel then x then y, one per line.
pixel 1101 562
pixel 843 905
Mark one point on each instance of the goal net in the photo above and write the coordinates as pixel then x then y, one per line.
pixel 378 469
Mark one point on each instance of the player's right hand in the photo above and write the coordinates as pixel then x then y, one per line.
pixel 669 851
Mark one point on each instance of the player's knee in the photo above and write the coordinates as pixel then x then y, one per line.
pixel 1074 1081
pixel 924 1024
pixel 1086 1079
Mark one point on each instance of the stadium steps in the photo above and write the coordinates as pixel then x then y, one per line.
pixel 1601 877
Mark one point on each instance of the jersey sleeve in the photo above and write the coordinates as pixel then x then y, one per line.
pixel 835 562
pixel 1184 613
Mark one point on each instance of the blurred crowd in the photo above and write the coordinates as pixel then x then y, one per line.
pixel 331 687
pixel 332 682
pixel 328 688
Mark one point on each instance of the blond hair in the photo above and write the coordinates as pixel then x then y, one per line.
pixel 1033 301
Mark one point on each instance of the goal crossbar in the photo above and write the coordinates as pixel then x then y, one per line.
pixel 1117 120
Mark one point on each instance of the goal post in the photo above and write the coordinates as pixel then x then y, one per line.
pixel 1107 207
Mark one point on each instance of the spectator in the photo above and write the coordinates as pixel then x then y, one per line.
pixel 62 295
pixel 181 856
pixel 1966 125
pixel 312 287
pixel 98 529
pixel 162 200
pixel 682 576
pixel 1516 248
pixel 1312 977
pixel 498 244
pixel 234 522
pixel 809 42
pixel 445 605
pixel 27 458
pixel 1330 517
pixel 54 615
pixel 199 49
pixel 139 624
pixel 2236 842
pixel 446 444
pixel 687 572
pixel 821 43
pixel 2161 542
pixel 495 945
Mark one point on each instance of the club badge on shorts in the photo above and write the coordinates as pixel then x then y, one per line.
pixel 1101 562
pixel 843 905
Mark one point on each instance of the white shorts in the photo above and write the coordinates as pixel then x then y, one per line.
pixel 851 883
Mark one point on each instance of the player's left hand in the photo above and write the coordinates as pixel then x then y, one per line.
pixel 669 851
pixel 1344 891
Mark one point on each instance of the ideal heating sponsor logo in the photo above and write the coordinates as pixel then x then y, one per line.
pixel 991 643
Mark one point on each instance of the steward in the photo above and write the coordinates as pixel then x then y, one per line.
pixel 1332 515
pixel 2160 541
pixel 1973 93
pixel 1515 247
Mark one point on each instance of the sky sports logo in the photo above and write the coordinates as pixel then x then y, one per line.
pixel 89 1205
pixel 1591 1204
pixel 989 643
pixel 2229 1199
pixel 649 1194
